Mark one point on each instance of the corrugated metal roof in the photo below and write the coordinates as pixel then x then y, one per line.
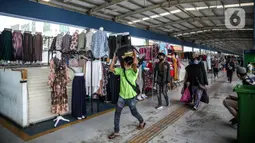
pixel 174 17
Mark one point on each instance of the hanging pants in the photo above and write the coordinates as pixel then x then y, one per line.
pixel 120 105
pixel 162 89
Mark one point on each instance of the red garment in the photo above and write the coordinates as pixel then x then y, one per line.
pixel 149 65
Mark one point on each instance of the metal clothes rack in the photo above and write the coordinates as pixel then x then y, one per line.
pixel 73 52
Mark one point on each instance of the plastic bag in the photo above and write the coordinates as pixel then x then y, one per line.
pixel 186 96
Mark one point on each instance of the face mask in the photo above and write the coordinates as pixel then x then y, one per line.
pixel 196 62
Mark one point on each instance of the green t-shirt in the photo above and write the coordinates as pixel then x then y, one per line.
pixel 126 90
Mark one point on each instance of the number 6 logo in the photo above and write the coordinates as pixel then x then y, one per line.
pixel 235 18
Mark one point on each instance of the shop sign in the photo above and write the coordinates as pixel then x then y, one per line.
pixel 177 48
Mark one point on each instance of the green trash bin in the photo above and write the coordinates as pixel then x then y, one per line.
pixel 246 113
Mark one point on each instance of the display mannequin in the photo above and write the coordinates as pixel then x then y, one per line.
pixel 162 79
pixel 58 81
pixel 78 90
pixel 209 62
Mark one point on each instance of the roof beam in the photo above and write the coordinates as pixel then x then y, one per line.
pixel 197 19
pixel 162 4
pixel 105 5
pixel 208 28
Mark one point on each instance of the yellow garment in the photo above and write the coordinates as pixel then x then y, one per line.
pixel 176 76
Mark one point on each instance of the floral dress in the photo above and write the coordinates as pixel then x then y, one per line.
pixel 58 80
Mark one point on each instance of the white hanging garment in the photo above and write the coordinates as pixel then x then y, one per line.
pixel 97 75
pixel 209 62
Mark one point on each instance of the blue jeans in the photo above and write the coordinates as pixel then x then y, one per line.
pixel 197 93
pixel 120 105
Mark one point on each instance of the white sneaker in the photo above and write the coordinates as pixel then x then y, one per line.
pixel 139 98
pixel 79 118
pixel 144 96
pixel 159 107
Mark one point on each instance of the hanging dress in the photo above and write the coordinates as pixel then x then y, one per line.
pixel 58 80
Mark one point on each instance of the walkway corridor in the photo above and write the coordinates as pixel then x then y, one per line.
pixel 178 124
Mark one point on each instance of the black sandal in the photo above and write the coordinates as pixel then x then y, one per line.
pixel 113 135
pixel 140 127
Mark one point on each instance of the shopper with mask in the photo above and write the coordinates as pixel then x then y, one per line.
pixel 197 79
pixel 230 68
pixel 162 79
pixel 127 93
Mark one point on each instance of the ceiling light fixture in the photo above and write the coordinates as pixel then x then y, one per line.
pixel 154 16
pixel 190 9
pixel 231 5
pixel 46 0
pixel 130 23
pixel 203 7
pixel 219 6
pixel 164 14
pixel 247 4
pixel 214 6
pixel 175 11
pixel 136 21
pixel 146 18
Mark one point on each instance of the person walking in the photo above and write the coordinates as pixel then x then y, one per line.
pixel 230 69
pixel 128 75
pixel 216 67
pixel 196 76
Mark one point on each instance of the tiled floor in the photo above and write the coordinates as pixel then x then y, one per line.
pixel 209 124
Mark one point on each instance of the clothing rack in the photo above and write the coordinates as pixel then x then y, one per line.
pixel 74 52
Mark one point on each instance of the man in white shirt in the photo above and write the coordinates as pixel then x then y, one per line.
pixel 250 67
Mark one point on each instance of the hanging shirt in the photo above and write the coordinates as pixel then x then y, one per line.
pixel 97 75
pixel 74 42
pixel 59 42
pixel 100 45
pixel 81 41
pixel 66 42
pixel 162 48
pixel 89 36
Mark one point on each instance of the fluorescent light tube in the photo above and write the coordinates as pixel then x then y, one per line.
pixel 136 21
pixel 190 9
pixel 154 16
pixel 146 18
pixel 164 14
pixel 247 4
pixel 204 7
pixel 231 5
pixel 175 11
pixel 219 6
